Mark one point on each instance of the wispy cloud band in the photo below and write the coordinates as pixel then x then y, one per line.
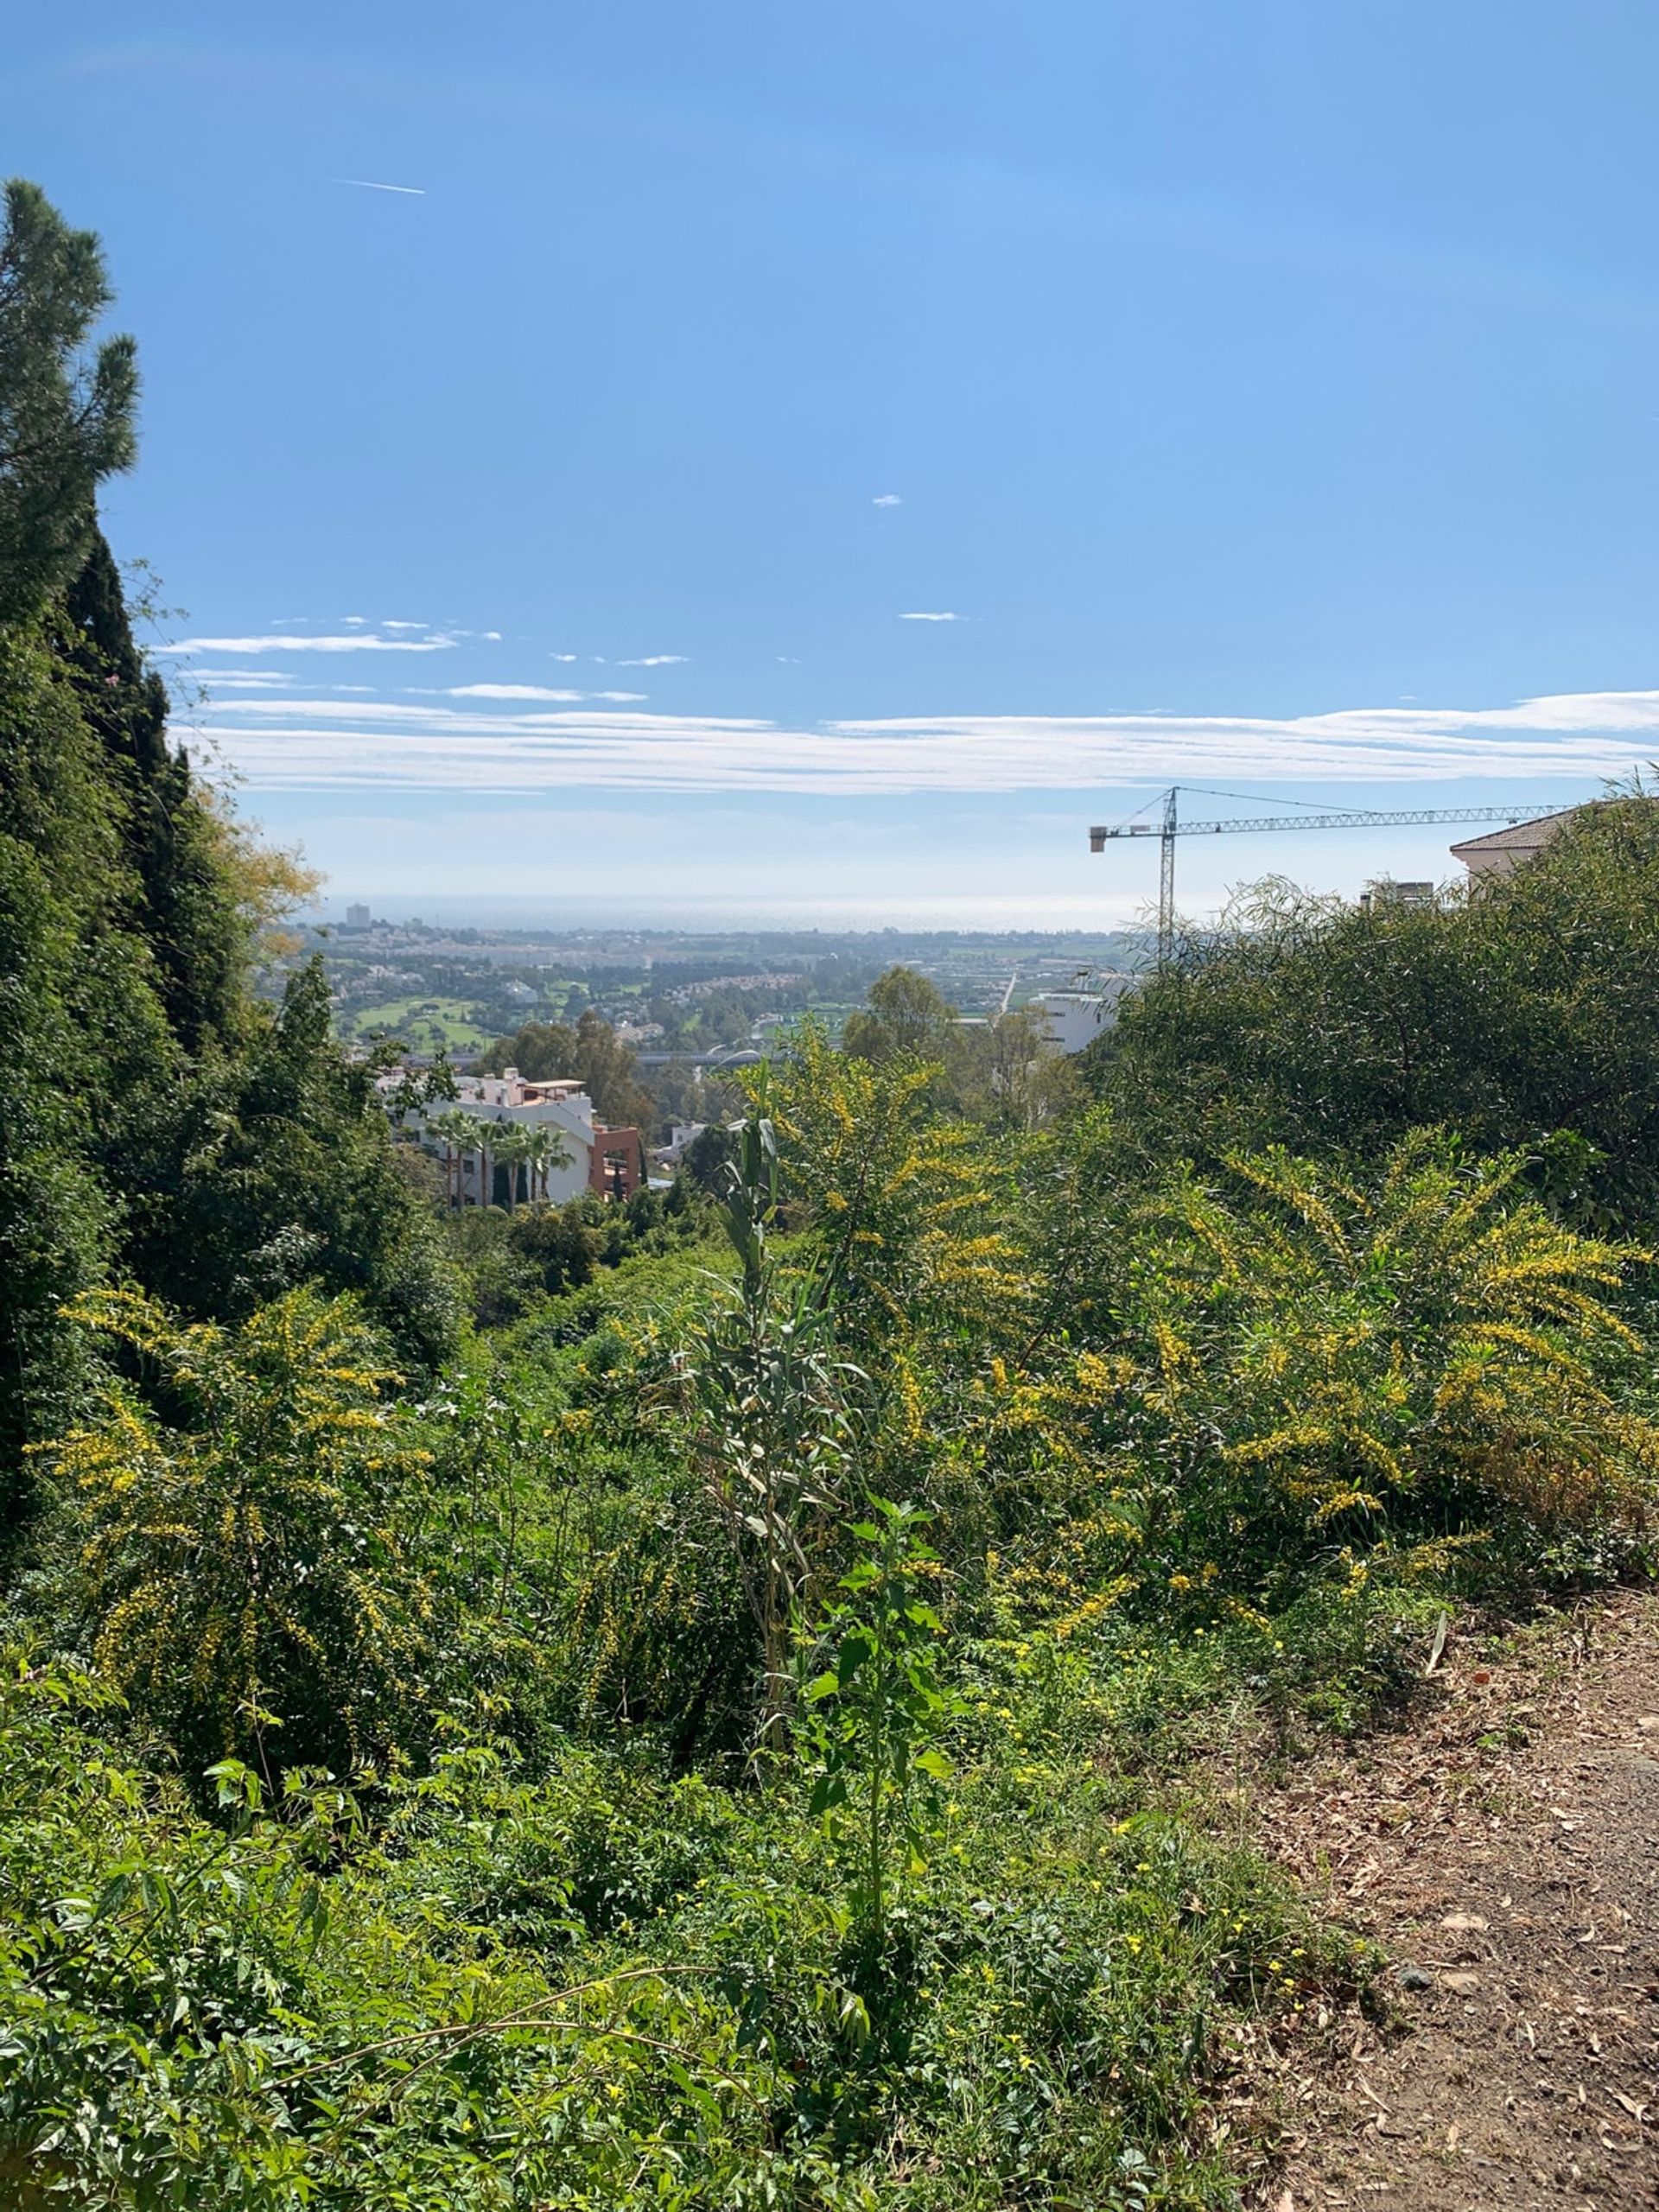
pixel 315 744
pixel 352 641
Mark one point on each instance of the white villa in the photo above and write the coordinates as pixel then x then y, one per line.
pixel 1500 852
pixel 586 1154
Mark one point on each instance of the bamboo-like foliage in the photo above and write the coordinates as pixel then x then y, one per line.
pixel 769 1430
pixel 247 1559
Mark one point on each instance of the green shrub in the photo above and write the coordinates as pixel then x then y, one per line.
pixel 248 1557
pixel 1301 1366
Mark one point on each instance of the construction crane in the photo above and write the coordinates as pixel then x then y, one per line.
pixel 1172 827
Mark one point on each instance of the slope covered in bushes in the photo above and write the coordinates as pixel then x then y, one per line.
pixel 729 1701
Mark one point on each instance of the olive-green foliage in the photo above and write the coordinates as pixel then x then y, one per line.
pixel 249 1561
pixel 1522 1015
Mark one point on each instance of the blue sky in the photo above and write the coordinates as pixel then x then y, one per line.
pixel 1270 393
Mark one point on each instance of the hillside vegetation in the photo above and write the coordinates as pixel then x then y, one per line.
pixel 708 1704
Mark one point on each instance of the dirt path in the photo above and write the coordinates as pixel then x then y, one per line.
pixel 1506 1853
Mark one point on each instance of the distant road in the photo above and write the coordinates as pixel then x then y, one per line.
pixel 733 1056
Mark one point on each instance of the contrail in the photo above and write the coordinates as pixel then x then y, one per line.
pixel 367 184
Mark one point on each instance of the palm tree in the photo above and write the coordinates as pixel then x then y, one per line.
pixel 543 1149
pixel 512 1150
pixel 458 1133
pixel 491 1138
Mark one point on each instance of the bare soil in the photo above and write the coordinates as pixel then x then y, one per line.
pixel 1504 1851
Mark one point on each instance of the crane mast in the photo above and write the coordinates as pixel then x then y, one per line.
pixel 1171 827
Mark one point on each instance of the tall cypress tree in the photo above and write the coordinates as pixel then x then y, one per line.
pixel 155 1121
pixel 172 839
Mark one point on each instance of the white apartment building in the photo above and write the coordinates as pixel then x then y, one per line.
pixel 597 1158
pixel 1074 1019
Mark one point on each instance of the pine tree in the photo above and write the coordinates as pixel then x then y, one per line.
pixel 65 414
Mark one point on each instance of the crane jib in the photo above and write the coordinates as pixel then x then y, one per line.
pixel 1171 827
pixel 1353 821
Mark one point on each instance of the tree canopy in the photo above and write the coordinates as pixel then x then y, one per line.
pixel 588 1051
pixel 66 408
pixel 1522 1014
pixel 157 1122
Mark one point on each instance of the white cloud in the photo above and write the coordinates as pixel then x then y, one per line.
pixel 299 744
pixel 493 637
pixel 356 642
pixel 355 621
pixel 389 624
pixel 369 710
pixel 886 500
pixel 561 656
pixel 657 660
pixel 933 617
pixel 506 691
pixel 248 679
pixel 621 694
pixel 368 184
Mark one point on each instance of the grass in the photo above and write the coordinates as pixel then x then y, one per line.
pixel 427 1022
